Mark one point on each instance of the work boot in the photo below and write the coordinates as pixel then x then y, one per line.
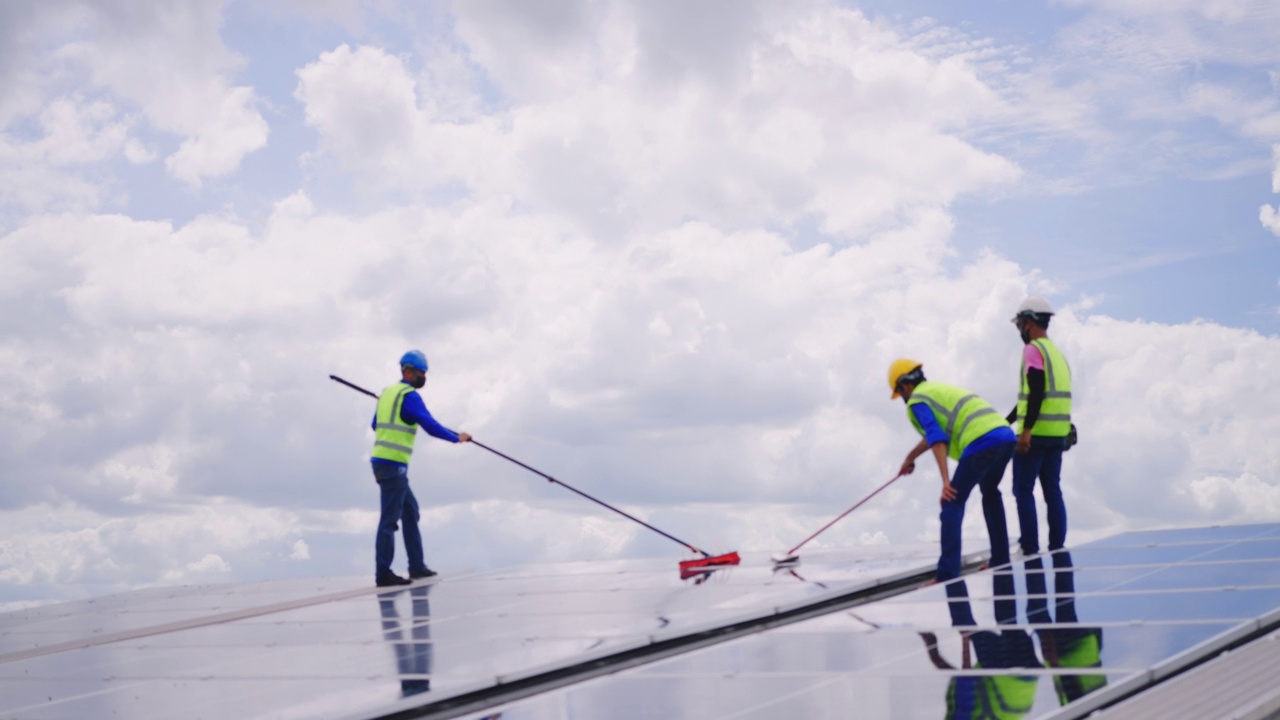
pixel 423 573
pixel 391 579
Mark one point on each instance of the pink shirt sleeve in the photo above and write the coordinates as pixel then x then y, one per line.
pixel 1031 356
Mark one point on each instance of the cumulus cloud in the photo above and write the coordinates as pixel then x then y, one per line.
pixel 40 169
pixel 825 114
pixel 1270 218
pixel 99 76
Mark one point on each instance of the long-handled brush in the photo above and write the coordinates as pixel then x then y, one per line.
pixel 791 559
pixel 687 567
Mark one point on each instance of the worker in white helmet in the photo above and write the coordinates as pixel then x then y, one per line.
pixel 1043 416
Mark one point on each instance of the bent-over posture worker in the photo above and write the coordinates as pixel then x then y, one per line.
pixel 957 423
pixel 395 424
pixel 1044 415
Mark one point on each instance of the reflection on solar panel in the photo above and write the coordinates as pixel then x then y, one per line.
pixel 849 633
pixel 332 647
pixel 1055 631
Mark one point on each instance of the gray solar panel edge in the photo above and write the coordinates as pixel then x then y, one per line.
pixel 1191 657
pixel 1234 684
pixel 660 646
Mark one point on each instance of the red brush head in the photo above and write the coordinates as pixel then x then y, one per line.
pixel 689 568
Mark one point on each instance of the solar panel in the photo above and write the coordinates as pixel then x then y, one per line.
pixel 846 633
pixel 337 647
pixel 1055 631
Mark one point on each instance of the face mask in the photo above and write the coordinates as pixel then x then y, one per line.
pixel 418 381
pixel 1024 332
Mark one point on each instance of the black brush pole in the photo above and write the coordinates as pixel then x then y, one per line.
pixel 536 471
pixel 597 501
pixel 353 386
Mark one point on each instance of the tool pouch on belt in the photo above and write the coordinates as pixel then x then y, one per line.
pixel 1072 439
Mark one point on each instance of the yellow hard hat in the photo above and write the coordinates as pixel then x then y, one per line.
pixel 897 369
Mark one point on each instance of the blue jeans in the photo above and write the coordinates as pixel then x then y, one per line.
pixel 983 469
pixel 1044 459
pixel 398 504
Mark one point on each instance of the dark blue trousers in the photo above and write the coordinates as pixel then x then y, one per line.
pixel 1043 460
pixel 984 470
pixel 398 506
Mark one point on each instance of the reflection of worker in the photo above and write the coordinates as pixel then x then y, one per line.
pixel 413 657
pixel 1006 697
pixel 1070 648
pixel 400 413
pixel 1044 419
pixel 958 423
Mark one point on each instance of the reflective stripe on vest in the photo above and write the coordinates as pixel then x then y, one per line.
pixel 392 439
pixel 1055 411
pixel 962 415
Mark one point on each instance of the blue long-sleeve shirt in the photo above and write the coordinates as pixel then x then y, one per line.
pixel 933 432
pixel 414 412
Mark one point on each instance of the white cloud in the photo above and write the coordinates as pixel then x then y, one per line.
pixel 216 148
pixel 164 65
pixel 202 569
pixel 1267 215
pixel 1270 218
pixel 1275 173
pixel 827 114
pixel 1131 74
pixel 301 551
pixel 40 171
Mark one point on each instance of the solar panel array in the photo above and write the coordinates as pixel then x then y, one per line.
pixel 736 643
pixel 1022 643
pixel 337 647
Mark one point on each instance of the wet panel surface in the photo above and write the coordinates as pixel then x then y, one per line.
pixel 1029 639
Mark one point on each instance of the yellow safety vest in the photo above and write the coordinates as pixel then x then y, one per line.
pixel 1080 652
pixel 393 440
pixel 1055 410
pixel 999 697
pixel 962 415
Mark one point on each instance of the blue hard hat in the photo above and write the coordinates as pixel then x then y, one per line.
pixel 414 359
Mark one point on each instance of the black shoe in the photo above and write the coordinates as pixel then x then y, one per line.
pixel 424 574
pixel 391 579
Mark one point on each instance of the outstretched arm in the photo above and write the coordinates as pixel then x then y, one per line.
pixel 935 439
pixel 414 411
pixel 940 454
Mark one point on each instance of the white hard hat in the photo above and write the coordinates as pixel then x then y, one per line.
pixel 1033 305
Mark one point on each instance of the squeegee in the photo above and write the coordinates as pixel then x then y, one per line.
pixel 687 567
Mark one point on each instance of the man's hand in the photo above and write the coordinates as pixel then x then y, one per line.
pixel 948 492
pixel 464 437
pixel 908 467
pixel 1024 442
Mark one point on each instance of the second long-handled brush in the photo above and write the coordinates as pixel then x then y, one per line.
pixel 687 568
pixel 791 559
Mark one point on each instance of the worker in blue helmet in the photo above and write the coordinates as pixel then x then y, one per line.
pixel 395 424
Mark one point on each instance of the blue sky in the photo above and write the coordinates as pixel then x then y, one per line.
pixel 666 255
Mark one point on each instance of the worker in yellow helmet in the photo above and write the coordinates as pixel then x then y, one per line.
pixel 957 423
